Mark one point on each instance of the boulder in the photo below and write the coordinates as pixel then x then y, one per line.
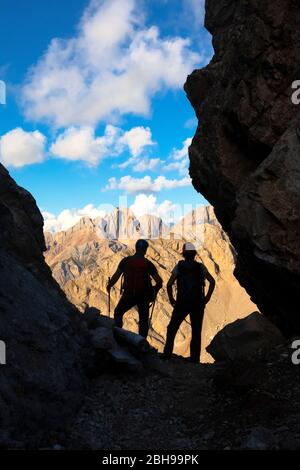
pixel 95 319
pixel 134 341
pixel 103 338
pixel 123 347
pixel 106 322
pixel 244 339
pixel 123 357
pixel 91 316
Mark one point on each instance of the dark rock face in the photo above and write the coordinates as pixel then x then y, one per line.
pixel 42 383
pixel 245 156
pixel 245 339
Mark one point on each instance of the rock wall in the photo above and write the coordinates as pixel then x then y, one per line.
pixel 42 383
pixel 245 156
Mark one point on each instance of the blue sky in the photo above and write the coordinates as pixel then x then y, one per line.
pixel 95 102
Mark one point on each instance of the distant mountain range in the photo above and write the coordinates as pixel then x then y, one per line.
pixel 83 257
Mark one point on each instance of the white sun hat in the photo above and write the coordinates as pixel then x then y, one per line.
pixel 188 246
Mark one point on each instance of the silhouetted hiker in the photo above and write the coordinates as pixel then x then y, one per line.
pixel 138 289
pixel 191 299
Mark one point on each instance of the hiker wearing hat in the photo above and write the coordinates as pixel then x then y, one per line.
pixel 191 299
pixel 137 287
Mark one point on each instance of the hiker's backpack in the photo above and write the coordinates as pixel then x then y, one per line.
pixel 137 281
pixel 190 283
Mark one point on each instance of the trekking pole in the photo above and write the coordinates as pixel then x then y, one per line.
pixel 109 298
pixel 152 310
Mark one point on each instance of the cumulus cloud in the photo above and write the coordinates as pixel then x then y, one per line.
pixel 147 164
pixel 178 154
pixel 81 143
pixel 129 162
pixel 197 10
pixel 113 66
pixel 140 165
pixel 19 148
pixel 147 204
pixel 181 167
pixel 69 217
pixel 179 160
pixel 137 139
pixel 133 185
pixel 143 205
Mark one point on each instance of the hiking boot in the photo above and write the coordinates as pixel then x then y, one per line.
pixel 165 357
pixel 194 361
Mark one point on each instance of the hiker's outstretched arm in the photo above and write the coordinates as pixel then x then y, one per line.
pixel 212 284
pixel 114 279
pixel 170 288
pixel 158 281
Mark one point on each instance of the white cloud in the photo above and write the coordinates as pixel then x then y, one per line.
pixel 178 154
pixel 146 184
pixel 147 204
pixel 180 166
pixel 129 162
pixel 19 148
pixel 179 159
pixel 197 9
pixel 113 66
pixel 143 205
pixel 81 143
pixel 140 165
pixel 147 164
pixel 69 217
pixel 137 139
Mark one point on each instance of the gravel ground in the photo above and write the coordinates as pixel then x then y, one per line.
pixel 194 407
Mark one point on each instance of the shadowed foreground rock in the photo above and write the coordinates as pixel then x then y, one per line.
pixel 245 154
pixel 118 350
pixel 245 339
pixel 43 382
pixel 248 405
